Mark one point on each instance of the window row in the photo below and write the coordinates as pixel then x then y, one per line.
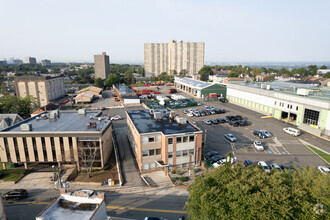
pixel 150 166
pixel 151 139
pixel 289 106
pixel 180 153
pixel 182 139
pixel 152 152
pixel 181 166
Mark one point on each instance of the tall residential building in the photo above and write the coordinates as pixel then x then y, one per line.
pixel 44 88
pixel 101 66
pixel 178 56
pixel 30 60
pixel 17 61
pixel 45 62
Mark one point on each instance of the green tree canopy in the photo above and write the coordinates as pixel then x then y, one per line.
pixel 312 69
pixel 256 71
pixel 327 75
pixel 22 106
pixel 98 82
pixel 323 67
pixel 205 72
pixel 251 193
pixel 129 77
pixel 141 71
pixel 183 72
pixel 233 74
pixel 284 71
pixel 112 79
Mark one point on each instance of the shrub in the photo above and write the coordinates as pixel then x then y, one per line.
pixel 79 107
pixel 184 179
pixel 174 179
pixel 196 170
pixel 106 167
pixel 173 171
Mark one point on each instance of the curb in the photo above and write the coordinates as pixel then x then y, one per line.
pixel 315 134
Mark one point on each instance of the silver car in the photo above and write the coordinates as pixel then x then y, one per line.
pixel 230 137
pixel 267 133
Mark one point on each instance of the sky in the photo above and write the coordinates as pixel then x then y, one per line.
pixel 233 30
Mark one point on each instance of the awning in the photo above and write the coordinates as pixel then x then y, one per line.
pixel 161 163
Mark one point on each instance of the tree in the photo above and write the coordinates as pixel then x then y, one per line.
pixel 250 193
pixel 205 72
pixel 98 82
pixel 233 74
pixel 256 71
pixel 312 69
pixel 323 67
pixel 175 72
pixel 284 71
pixel 22 106
pixel 141 71
pixel 87 155
pixel 327 75
pixel 129 77
pixel 112 79
pixel 302 71
pixel 183 72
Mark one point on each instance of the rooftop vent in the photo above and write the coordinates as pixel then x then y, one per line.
pixel 26 127
pixel 82 111
pixel 303 92
pixel 151 111
pixel 268 87
pixel 54 114
pixel 181 120
pixel 158 115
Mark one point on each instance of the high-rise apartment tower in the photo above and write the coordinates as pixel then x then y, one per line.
pixel 173 56
pixel 101 66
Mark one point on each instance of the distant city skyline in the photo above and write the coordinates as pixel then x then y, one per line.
pixel 233 31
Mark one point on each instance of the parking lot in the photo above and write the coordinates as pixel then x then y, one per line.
pixel 281 148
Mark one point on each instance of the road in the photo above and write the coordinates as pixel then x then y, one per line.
pixel 131 206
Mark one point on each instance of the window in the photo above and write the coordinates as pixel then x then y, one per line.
pixel 191 138
pixel 170 154
pixel 170 140
pixel 185 153
pixel 144 153
pixel 275 102
pixel 311 117
pixel 178 139
pixel 178 154
pixel 185 139
pixel 144 166
pixel 191 151
pixel 290 106
pixel 184 165
pixel 151 139
pixel 297 108
pixel 178 166
pixel 152 166
pixel 144 140
pixel 151 152
pixel 158 151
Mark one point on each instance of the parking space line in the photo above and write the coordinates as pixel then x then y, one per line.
pixel 286 150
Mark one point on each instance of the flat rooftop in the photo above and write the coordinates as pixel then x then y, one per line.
pixel 124 90
pixel 145 123
pixel 69 121
pixel 320 93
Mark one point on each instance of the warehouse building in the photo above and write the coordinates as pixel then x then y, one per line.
pixel 198 88
pixel 161 141
pixel 87 94
pixel 126 94
pixel 62 137
pixel 305 106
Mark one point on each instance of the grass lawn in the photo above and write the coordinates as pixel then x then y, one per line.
pixel 325 156
pixel 12 177
pixel 12 174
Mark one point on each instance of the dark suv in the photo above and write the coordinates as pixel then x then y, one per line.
pixel 15 194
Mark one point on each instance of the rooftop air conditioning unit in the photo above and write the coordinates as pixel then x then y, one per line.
pixel 54 114
pixel 181 120
pixel 26 127
pixel 263 86
pixel 82 111
pixel 268 87
pixel 151 111
pixel 303 92
pixel 158 115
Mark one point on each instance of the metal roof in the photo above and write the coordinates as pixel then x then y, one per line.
pixel 197 84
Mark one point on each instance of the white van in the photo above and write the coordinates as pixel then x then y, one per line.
pixel 292 131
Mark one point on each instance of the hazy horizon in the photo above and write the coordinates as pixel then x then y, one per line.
pixel 235 31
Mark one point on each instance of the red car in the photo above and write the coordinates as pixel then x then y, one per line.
pixel 157 92
pixel 102 108
pixel 116 99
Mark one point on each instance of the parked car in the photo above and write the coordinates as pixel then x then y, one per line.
pixel 244 123
pixel 102 108
pixel 323 169
pixel 215 158
pixel 230 137
pixel 248 163
pixel 259 134
pixel 190 114
pixel 202 113
pixel 258 145
pixel 207 112
pixel 15 194
pixel 196 113
pixel 185 111
pixel 215 121
pixel 286 167
pixel 154 218
pixel 267 133
pixel 238 117
pixel 275 166
pixel 222 120
pixel 234 123
pixel 230 117
pixel 208 122
pixel 198 103
pixel 223 100
pixel 115 118
pixel 212 112
pixel 219 110
pixel 210 154
pixel 264 165
pixel 294 132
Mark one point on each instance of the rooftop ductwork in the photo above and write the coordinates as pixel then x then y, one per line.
pixel 158 115
pixel 26 127
pixel 181 120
